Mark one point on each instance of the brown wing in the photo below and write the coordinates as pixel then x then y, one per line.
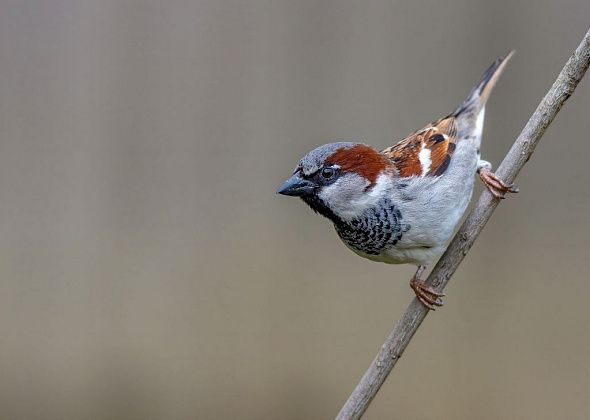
pixel 427 151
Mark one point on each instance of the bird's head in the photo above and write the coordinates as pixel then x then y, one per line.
pixel 340 180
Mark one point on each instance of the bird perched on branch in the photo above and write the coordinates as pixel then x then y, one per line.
pixel 402 204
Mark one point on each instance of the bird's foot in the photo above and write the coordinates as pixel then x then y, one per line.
pixel 426 294
pixel 495 185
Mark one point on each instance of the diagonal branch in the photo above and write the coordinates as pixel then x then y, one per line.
pixel 519 154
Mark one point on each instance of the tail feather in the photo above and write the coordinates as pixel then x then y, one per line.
pixel 479 95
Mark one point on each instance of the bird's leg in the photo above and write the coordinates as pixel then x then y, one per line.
pixel 427 295
pixel 494 184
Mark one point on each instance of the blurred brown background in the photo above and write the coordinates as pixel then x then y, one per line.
pixel 149 271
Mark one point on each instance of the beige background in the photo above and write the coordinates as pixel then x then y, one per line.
pixel 149 271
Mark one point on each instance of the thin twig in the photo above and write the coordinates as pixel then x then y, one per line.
pixel 519 154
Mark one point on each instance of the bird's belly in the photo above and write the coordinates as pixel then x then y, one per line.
pixel 435 208
pixel 397 255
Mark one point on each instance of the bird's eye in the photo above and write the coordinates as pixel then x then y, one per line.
pixel 327 173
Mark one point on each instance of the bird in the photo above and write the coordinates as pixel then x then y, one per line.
pixel 402 204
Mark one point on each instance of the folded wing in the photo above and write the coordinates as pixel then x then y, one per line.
pixel 427 152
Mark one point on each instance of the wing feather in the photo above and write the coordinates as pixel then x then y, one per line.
pixel 426 152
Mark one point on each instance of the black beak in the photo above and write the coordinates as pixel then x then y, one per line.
pixel 296 186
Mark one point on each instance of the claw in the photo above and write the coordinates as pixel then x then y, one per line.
pixel 427 295
pixel 495 185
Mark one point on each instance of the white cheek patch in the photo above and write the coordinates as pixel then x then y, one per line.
pixel 348 197
pixel 424 157
pixel 338 196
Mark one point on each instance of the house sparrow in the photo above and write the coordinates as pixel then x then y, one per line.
pixel 401 205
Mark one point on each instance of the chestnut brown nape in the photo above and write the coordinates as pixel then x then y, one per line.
pixel 361 159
